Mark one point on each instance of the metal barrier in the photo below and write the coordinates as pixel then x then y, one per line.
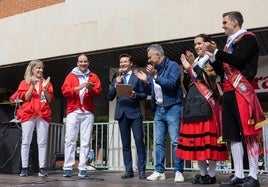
pixel 106 144
pixel 55 142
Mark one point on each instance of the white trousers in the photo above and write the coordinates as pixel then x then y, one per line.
pixel 27 133
pixel 76 121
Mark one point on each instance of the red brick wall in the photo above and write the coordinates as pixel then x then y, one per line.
pixel 13 7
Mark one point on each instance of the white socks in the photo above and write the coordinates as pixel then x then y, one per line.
pixel 238 154
pixel 211 168
pixel 202 164
pixel 203 167
pixel 253 160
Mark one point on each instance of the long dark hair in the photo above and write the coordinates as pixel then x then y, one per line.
pixel 205 37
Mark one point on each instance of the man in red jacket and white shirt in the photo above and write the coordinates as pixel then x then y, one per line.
pixel 80 88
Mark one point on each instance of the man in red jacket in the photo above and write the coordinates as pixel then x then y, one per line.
pixel 80 88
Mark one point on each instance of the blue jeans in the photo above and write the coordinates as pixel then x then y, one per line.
pixel 167 119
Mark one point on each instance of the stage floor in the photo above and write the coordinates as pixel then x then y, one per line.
pixel 105 178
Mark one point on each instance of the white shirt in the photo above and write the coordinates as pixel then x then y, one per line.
pixel 201 62
pixel 158 93
pixel 127 76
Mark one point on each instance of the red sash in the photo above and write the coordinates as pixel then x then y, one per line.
pixel 213 102
pixel 243 87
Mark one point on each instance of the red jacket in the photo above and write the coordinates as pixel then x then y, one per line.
pixel 73 98
pixel 37 106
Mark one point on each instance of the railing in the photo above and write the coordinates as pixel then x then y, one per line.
pixel 106 144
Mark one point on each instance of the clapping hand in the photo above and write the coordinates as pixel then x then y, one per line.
pixel 184 61
pixel 34 80
pixel 45 82
pixel 141 75
pixel 210 48
pixel 189 57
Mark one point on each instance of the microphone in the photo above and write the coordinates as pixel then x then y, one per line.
pixel 116 74
pixel 119 73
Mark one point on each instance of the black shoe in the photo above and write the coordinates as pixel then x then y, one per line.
pixel 142 175
pixel 197 179
pixel 24 172
pixel 207 180
pixel 249 182
pixel 232 182
pixel 127 175
pixel 42 172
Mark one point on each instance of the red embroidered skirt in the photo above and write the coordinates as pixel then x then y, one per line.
pixel 198 141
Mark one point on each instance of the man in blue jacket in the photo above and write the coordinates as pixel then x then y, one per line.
pixel 129 116
pixel 164 84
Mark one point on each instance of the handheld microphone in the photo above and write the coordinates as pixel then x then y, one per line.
pixel 119 73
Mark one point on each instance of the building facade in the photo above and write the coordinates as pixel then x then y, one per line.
pixel 56 31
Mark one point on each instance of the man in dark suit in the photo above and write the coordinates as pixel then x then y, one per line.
pixel 242 116
pixel 129 116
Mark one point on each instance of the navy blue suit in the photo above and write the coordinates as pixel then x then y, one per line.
pixel 129 116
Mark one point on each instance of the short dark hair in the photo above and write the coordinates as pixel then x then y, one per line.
pixel 125 55
pixel 235 15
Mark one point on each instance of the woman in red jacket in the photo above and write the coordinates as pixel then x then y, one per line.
pixel 36 93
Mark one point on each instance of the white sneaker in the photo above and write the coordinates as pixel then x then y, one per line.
pixel 178 177
pixel 155 176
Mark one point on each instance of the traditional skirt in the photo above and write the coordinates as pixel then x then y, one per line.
pixel 198 141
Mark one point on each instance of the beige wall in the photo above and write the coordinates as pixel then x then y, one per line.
pixel 86 25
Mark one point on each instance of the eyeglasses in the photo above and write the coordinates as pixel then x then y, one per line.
pixel 83 61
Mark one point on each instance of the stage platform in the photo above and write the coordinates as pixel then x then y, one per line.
pixel 105 178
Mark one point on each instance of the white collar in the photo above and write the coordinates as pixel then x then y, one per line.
pixel 128 73
pixel 201 61
pixel 235 35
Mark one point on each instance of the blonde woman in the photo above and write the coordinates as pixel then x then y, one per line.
pixel 36 93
